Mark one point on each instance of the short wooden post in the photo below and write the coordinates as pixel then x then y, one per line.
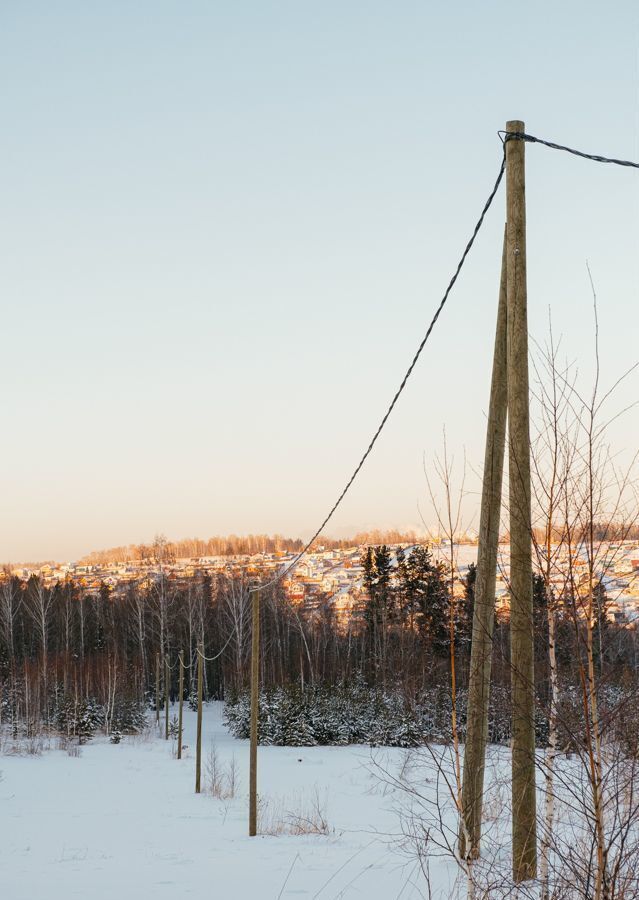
pixel 181 703
pixel 157 688
pixel 198 748
pixel 255 695
pixel 484 610
pixel 521 611
pixel 167 675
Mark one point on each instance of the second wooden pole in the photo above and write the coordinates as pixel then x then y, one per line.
pixel 485 583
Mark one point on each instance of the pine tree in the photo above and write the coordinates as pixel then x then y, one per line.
pixel 377 582
pixel 424 593
pixel 380 611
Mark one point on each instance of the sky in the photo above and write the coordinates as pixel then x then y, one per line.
pixel 226 226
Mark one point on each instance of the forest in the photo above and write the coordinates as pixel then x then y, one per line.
pixel 235 545
pixel 68 655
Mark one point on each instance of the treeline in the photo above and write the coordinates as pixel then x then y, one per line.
pixel 603 531
pixel 163 550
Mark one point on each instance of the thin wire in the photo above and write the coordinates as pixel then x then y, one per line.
pixel 531 139
pixel 401 387
pixel 206 658
pixel 217 655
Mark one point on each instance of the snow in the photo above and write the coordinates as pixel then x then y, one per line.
pixel 124 821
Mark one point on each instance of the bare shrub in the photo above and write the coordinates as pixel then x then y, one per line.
pixel 33 746
pixel 221 779
pixel 232 777
pixel 144 736
pixel 68 745
pixel 308 816
pixel 5 742
pixel 28 746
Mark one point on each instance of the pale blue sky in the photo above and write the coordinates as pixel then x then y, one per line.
pixel 225 227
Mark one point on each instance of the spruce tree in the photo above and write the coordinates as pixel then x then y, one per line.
pixel 379 613
pixel 424 593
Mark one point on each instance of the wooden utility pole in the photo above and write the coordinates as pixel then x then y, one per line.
pixel 484 607
pixel 255 694
pixel 157 688
pixel 181 703
pixel 167 673
pixel 198 750
pixel 524 826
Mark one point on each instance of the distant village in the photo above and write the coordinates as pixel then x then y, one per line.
pixel 336 575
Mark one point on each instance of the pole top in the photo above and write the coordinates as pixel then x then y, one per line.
pixel 515 125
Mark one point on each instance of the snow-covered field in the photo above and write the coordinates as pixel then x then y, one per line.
pixel 123 821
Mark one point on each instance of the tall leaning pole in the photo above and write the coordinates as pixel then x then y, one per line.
pixel 485 584
pixel 524 817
